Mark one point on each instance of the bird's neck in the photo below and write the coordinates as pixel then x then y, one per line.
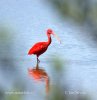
pixel 49 39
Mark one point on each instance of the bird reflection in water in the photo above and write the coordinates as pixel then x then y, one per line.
pixel 39 74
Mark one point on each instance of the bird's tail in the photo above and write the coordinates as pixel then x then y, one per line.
pixel 30 52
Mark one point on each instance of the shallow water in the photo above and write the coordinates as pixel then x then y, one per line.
pixel 79 58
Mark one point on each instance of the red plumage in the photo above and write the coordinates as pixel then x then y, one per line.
pixel 40 47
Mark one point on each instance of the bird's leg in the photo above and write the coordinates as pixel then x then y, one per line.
pixel 38 60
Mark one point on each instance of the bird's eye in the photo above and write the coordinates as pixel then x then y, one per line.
pixel 49 32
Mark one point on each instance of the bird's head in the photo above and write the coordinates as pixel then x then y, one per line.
pixel 50 31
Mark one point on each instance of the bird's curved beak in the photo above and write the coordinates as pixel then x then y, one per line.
pixel 56 37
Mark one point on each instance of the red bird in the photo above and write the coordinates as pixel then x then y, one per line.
pixel 40 47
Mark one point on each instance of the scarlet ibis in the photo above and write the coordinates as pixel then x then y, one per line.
pixel 40 47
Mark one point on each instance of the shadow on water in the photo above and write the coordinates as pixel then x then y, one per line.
pixel 39 75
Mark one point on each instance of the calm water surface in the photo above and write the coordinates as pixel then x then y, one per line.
pixel 80 59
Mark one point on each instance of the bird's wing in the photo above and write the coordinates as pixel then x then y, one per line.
pixel 38 47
